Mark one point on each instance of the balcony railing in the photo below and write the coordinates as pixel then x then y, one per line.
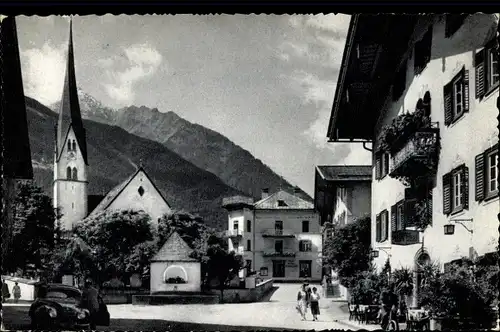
pixel 420 148
pixel 405 237
pixel 277 233
pixel 279 254
pixel 234 233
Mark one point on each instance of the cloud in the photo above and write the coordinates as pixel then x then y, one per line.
pixel 43 72
pixel 140 62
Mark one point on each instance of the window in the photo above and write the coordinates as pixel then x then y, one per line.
pixel 486 67
pixel 456 97
pixel 140 190
pixel 423 52
pixel 381 164
pixel 74 145
pixel 305 245
pixel 248 265
pixel 456 190
pixel 487 174
pixel 75 174
pixel 399 84
pixel 70 145
pixel 249 245
pixel 305 226
pixel 281 203
pixel 235 225
pixel 382 226
pixel 249 225
pixel 453 23
pixel 278 227
pixel 278 245
pixel 400 216
pixel 68 173
pixel 341 193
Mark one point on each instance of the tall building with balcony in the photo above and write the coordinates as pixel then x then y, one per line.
pixel 279 236
pixel 342 195
pixel 425 87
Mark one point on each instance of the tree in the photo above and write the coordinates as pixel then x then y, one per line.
pixel 348 250
pixel 116 238
pixel 34 231
pixel 222 265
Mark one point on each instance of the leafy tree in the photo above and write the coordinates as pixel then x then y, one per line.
pixel 115 238
pixel 348 250
pixel 34 230
pixel 222 265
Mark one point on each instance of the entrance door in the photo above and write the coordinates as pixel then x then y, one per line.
pixel 279 269
pixel 305 269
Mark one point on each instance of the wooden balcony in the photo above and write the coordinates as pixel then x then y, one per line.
pixel 234 233
pixel 417 154
pixel 405 237
pixel 277 233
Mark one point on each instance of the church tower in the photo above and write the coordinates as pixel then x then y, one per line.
pixel 70 155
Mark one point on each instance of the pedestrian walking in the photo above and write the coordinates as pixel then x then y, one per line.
pixel 314 300
pixel 5 291
pixel 302 301
pixel 90 301
pixel 17 292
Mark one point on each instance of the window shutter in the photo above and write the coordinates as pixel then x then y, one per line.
pixel 377 166
pixel 447 193
pixel 410 211
pixel 447 104
pixel 377 228
pixel 465 186
pixel 480 177
pixel 429 206
pixel 394 219
pixel 386 236
pixel 466 90
pixel 480 75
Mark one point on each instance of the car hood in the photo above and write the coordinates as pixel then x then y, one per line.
pixel 67 305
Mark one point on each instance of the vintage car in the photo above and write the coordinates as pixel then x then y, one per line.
pixel 60 308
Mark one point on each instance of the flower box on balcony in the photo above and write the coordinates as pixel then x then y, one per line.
pixel 279 254
pixel 405 237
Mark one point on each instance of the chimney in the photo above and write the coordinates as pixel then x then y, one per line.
pixel 265 193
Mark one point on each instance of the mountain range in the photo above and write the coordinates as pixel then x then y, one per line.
pixel 193 166
pixel 205 148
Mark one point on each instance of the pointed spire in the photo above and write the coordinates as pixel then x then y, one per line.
pixel 16 145
pixel 69 114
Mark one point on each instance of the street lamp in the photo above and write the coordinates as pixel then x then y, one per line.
pixel 449 229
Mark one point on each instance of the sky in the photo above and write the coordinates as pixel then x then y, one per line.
pixel 266 82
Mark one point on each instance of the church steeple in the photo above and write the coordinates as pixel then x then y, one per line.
pixel 69 114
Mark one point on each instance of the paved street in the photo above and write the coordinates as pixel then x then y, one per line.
pixel 277 312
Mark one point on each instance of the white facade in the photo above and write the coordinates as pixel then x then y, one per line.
pixel 470 135
pixel 151 201
pixel 352 201
pixel 70 183
pixel 269 240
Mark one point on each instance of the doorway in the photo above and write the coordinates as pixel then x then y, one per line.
pixel 279 269
pixel 305 269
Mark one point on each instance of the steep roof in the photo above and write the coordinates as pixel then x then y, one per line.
pixel 283 200
pixel 116 191
pixel 16 146
pixel 174 249
pixel 69 113
pixel 345 173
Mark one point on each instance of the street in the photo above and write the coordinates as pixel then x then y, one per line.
pixel 278 312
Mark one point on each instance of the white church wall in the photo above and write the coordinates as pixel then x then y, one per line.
pixel 150 201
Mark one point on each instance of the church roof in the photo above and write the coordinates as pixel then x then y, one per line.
pixel 116 191
pixel 283 200
pixel 16 146
pixel 174 249
pixel 69 113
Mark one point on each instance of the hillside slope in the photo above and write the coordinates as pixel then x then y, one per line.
pixel 114 154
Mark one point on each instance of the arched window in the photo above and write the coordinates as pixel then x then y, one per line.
pixel 69 145
pixel 68 173
pixel 74 145
pixel 75 173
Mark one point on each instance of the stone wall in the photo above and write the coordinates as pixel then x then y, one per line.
pixel 242 295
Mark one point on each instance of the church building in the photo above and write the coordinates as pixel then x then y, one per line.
pixel 71 165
